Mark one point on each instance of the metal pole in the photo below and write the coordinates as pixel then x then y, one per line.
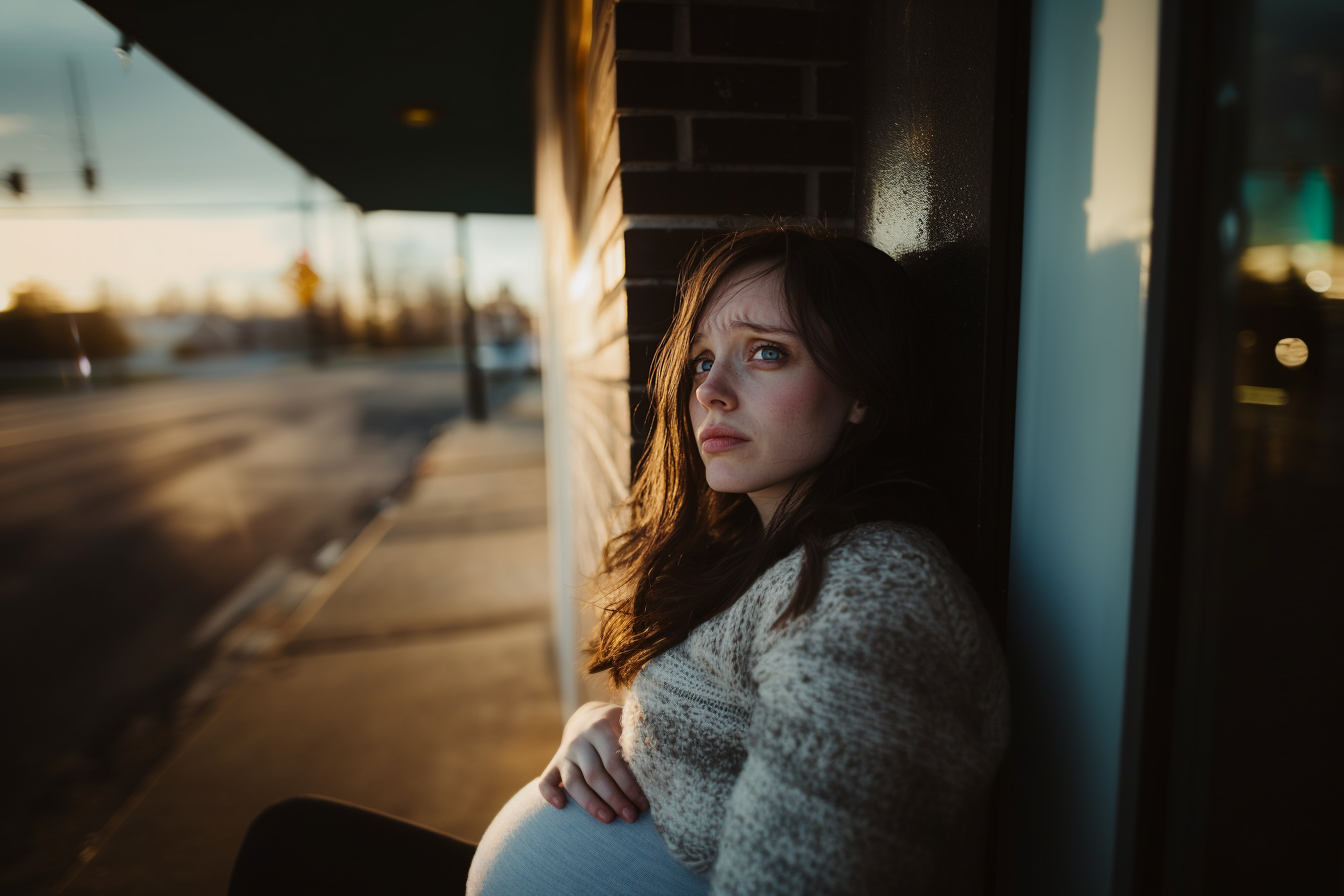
pixel 372 318
pixel 477 406
pixel 83 135
pixel 317 326
pixel 306 212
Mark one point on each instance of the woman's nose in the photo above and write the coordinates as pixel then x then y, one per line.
pixel 716 390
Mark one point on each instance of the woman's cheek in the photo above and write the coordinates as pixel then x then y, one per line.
pixel 811 416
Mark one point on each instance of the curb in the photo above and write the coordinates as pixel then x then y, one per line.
pixel 241 652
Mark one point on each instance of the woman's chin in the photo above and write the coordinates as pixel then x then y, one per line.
pixel 727 484
pixel 733 482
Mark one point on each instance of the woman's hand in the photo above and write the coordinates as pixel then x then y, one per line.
pixel 590 766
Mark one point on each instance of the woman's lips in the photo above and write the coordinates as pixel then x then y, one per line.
pixel 720 443
pixel 714 439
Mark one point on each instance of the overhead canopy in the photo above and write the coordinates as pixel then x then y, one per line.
pixel 416 105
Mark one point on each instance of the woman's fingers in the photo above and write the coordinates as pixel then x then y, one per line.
pixel 549 785
pixel 625 780
pixel 581 793
pixel 589 768
pixel 599 780
pixel 608 746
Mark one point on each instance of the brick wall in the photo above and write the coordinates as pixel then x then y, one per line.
pixel 659 123
pixel 725 113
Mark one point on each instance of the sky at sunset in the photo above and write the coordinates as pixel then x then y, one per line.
pixel 189 200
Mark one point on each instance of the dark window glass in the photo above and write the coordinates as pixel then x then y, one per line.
pixel 1275 815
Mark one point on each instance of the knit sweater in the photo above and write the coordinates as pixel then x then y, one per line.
pixel 850 751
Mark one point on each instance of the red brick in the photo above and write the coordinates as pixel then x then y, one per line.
pixel 641 359
pixel 834 90
pixel 658 252
pixel 836 194
pixel 644 26
pixel 712 193
pixel 648 138
pixel 718 87
pixel 765 33
pixel 772 142
pixel 649 308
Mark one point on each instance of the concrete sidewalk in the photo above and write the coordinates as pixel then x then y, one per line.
pixel 416 678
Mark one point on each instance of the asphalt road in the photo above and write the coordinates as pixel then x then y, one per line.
pixel 127 515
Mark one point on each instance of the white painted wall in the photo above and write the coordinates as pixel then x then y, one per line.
pixel 1090 145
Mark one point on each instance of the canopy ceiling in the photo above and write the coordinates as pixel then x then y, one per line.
pixel 417 105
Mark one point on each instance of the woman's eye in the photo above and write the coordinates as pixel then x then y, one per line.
pixel 768 353
pixel 701 365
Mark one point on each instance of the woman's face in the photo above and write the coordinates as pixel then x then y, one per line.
pixel 763 413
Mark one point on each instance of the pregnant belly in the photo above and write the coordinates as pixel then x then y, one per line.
pixel 534 848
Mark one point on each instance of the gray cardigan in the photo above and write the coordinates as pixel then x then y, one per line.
pixel 850 751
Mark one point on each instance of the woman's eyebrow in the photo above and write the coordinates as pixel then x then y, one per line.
pixel 742 324
pixel 762 328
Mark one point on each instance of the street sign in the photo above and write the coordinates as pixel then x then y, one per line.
pixel 303 280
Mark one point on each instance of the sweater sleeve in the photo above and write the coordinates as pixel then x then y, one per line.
pixel 881 717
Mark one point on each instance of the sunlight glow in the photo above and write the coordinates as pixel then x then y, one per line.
pixel 1291 352
pixel 1262 395
pixel 1318 280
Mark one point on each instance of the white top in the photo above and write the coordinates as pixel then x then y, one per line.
pixel 534 849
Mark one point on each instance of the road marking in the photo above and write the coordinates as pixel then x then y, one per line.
pixel 306 610
pixel 329 556
pixel 263 582
pixel 335 577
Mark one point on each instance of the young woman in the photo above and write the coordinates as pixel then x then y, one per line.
pixel 816 702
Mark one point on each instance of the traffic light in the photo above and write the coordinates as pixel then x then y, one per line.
pixel 90 178
pixel 17 182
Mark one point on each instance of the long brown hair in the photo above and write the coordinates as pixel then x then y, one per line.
pixel 685 552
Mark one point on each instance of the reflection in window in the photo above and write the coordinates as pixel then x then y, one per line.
pixel 1276 782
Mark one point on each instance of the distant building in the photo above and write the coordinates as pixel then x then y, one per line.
pixel 35 327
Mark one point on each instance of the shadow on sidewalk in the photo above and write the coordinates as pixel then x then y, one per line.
pixel 416 677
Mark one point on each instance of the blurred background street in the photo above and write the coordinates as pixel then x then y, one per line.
pixel 128 515
pixel 215 371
